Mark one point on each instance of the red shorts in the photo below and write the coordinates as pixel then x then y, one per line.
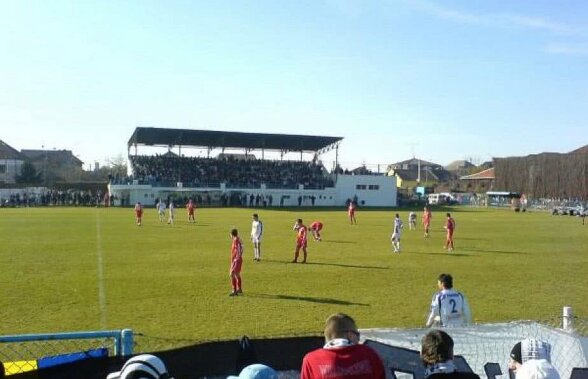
pixel 300 244
pixel 190 212
pixel 351 213
pixel 139 213
pixel 236 266
pixel 449 233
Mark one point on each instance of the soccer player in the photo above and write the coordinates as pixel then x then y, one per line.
pixel 427 220
pixel 256 233
pixel 450 227
pixel 396 232
pixel 190 207
pixel 161 210
pixel 236 263
pixel 315 229
pixel 139 213
pixel 301 240
pixel 351 212
pixel 449 308
pixel 172 211
pixel 412 218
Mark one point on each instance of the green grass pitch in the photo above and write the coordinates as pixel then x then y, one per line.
pixel 74 269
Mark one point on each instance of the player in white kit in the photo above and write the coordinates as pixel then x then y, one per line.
pixel 256 233
pixel 449 308
pixel 161 210
pixel 396 232
pixel 172 211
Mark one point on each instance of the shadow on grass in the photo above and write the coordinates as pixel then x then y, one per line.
pixel 327 264
pixel 322 300
pixel 343 265
pixel 446 254
pixel 498 251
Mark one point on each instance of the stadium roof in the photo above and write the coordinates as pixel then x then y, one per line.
pixel 215 139
pixel 9 153
pixel 482 175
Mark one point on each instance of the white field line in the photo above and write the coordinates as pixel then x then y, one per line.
pixel 101 291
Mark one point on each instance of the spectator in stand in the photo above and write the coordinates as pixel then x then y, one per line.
pixel 437 357
pixel 342 355
pixel 531 359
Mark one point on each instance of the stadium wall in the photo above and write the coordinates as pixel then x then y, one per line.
pixel 370 191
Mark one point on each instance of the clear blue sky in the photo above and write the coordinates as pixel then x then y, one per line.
pixel 446 80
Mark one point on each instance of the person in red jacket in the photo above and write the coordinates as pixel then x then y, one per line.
pixel 342 356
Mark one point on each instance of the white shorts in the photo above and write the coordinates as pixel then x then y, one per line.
pixel 256 239
pixel 395 237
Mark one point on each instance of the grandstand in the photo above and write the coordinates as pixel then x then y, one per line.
pixel 227 179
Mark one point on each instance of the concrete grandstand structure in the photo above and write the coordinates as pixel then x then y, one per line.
pixel 231 179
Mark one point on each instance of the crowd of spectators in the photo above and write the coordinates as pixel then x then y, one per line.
pixel 162 170
pixel 69 197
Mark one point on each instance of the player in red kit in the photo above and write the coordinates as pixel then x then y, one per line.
pixel 450 227
pixel 427 220
pixel 301 240
pixel 139 213
pixel 315 229
pixel 190 207
pixel 236 263
pixel 351 212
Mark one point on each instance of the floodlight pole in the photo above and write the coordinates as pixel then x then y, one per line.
pixel 336 162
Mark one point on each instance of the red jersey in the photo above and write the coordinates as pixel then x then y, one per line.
pixel 348 362
pixel 351 207
pixel 138 209
pixel 427 217
pixel 190 206
pixel 236 249
pixel 301 237
pixel 316 225
pixel 450 225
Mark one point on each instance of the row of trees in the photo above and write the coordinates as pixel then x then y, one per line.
pixel 33 175
pixel 547 175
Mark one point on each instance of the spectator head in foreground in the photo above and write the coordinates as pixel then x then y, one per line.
pixel 342 355
pixel 144 366
pixel 341 326
pixel 437 357
pixel 535 352
pixel 256 371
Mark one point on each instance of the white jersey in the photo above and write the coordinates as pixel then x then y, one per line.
pixel 397 228
pixel 161 207
pixel 256 230
pixel 450 308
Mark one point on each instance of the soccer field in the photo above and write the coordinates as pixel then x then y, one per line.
pixel 71 269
